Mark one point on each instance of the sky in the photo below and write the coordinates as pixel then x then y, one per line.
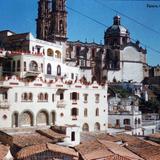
pixel 19 16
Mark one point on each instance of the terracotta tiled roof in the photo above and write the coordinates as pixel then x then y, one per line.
pixel 92 136
pixel 35 149
pixel 3 151
pixel 119 150
pixel 90 146
pixel 51 134
pixel 24 140
pixel 141 147
pixel 98 149
pixel 117 157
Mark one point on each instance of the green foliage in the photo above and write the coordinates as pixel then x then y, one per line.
pixel 151 106
pixel 123 93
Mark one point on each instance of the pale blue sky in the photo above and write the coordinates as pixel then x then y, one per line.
pixel 20 15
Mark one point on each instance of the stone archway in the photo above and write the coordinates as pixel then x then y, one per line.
pixel 42 118
pixel 26 119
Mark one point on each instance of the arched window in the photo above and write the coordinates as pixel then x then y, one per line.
pixel 74 112
pixel 58 70
pixel 85 127
pixel 61 26
pixel 24 97
pixel 40 97
pixel 74 96
pixel 30 96
pixel 57 54
pixel 46 97
pixel 49 68
pixel 33 66
pixel 97 112
pixel 135 121
pixel 97 127
pixel 85 112
pixel 50 52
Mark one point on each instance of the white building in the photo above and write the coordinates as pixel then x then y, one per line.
pixel 124 114
pixel 41 90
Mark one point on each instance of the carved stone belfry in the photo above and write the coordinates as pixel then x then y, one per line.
pixel 52 20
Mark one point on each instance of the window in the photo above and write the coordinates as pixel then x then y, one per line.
pixel 136 121
pixel 85 97
pixel 85 112
pixel 117 122
pixel 93 53
pixel 78 49
pixel 58 70
pixel 41 67
pixel 74 112
pixel 97 112
pixel 5 96
pixel 24 66
pixel 85 127
pixel 49 68
pixel 126 121
pixel 57 54
pixel 40 97
pixel 46 97
pixel 50 52
pixel 27 96
pixel 139 121
pixel 16 97
pixel 72 75
pixel 74 96
pixel 61 26
pixel 52 97
pixel 18 65
pixel 38 50
pixel 30 97
pixel 33 66
pixel 97 98
pixel 14 66
pixel 61 96
pixel 72 136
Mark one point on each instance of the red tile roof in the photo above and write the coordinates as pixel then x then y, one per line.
pixel 3 151
pixel 35 149
pixel 142 148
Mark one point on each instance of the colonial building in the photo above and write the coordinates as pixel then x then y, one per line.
pixel 123 58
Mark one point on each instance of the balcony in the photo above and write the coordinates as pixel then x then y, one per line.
pixel 61 104
pixel 4 104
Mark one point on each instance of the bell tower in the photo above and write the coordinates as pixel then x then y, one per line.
pixel 52 20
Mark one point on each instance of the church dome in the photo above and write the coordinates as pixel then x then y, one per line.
pixel 116 28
